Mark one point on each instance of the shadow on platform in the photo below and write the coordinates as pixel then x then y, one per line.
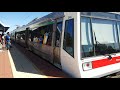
pixel 43 67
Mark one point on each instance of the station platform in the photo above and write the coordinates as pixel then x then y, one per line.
pixel 21 63
pixel 5 66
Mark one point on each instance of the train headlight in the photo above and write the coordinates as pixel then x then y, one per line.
pixel 87 66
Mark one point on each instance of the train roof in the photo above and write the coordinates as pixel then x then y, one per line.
pixel 52 15
pixel 115 12
pixel 22 28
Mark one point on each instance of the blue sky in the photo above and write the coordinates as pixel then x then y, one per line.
pixel 19 18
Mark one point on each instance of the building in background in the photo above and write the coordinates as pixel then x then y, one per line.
pixel 3 28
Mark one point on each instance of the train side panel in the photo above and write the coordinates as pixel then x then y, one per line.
pixel 70 55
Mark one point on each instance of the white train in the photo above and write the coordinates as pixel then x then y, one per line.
pixel 82 44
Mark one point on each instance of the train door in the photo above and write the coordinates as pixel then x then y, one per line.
pixel 57 44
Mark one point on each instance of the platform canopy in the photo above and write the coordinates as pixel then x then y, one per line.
pixel 3 27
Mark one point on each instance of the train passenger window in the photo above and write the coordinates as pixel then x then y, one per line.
pixel 29 35
pixel 22 35
pixel 44 33
pixel 18 36
pixel 86 38
pixel 68 43
pixel 105 36
pixel 58 34
pixel 49 34
pixel 36 36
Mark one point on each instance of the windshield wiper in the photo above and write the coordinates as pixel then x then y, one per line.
pixel 97 43
pixel 100 48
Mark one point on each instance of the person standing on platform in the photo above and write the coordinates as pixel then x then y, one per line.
pixel 2 38
pixel 0 41
pixel 7 41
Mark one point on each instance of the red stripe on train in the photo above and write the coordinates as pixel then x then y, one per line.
pixel 105 62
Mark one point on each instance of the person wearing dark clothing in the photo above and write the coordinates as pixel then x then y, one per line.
pixel 0 38
pixel 0 41
pixel 7 40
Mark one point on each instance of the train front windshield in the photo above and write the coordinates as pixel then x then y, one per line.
pixel 99 36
